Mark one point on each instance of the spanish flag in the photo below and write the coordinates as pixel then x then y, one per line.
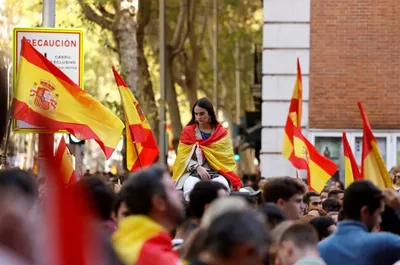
pixel 217 150
pixel 294 122
pixel 45 97
pixel 141 241
pixel 73 234
pixel 63 161
pixel 350 165
pixel 373 167
pixel 141 146
pixel 320 169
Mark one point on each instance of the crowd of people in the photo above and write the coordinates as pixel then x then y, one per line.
pixel 146 220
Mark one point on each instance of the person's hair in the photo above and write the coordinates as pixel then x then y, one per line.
pixel 102 195
pixel 117 203
pixel 359 194
pixel 390 221
pixel 341 185
pixel 302 235
pixel 139 189
pixel 234 228
pixel 282 188
pixel 308 195
pixel 274 215
pixel 221 206
pixel 20 181
pixel 203 193
pixel 206 104
pixel 331 205
pixel 334 193
pixel 326 189
pixel 321 224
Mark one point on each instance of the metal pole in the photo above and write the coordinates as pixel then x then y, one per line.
pixel 163 81
pixel 46 140
pixel 237 90
pixel 215 56
pixel 237 77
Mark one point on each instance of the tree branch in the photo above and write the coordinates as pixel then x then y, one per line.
pixel 91 15
pixel 105 13
pixel 179 26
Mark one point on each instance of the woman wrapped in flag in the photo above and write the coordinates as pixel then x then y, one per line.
pixel 205 152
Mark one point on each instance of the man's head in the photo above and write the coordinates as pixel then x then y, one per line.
pixel 324 194
pixel 120 209
pixel 287 194
pixel 324 225
pixel 337 195
pixel 331 205
pixel 363 202
pixel 102 195
pixel 297 242
pixel 312 200
pixel 237 237
pixel 203 193
pixel 151 192
pixel 19 181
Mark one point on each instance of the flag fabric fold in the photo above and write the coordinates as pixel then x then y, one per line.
pixel 373 167
pixel 141 241
pixel 294 122
pixel 217 150
pixel 141 146
pixel 62 160
pixel 352 172
pixel 320 169
pixel 45 97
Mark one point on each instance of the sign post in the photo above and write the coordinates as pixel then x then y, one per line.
pixel 64 48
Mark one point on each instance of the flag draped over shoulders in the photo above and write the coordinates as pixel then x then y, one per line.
pixel 46 98
pixel 217 150
pixel 141 241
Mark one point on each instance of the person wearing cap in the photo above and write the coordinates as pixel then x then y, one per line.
pixel 254 196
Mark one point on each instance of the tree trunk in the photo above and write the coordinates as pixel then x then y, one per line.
pixel 173 108
pixel 124 30
pixel 144 82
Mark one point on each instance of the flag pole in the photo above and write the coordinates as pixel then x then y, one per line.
pixel 46 140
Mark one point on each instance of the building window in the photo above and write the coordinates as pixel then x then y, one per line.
pixel 331 147
pixel 382 145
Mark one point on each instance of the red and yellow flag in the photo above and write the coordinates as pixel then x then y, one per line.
pixel 373 167
pixel 45 97
pixel 352 172
pixel 62 160
pixel 141 146
pixel 141 241
pixel 217 150
pixel 294 122
pixel 320 169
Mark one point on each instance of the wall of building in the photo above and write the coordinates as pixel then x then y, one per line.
pixel 355 55
pixel 286 36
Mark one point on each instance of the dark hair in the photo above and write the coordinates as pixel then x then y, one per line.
pixel 206 104
pixel 117 203
pixel 140 188
pixel 282 188
pixel 203 193
pixel 234 228
pixel 333 193
pixel 321 224
pixel 274 215
pixel 308 195
pixel 19 181
pixel 331 205
pixel 302 235
pixel 102 194
pixel 390 221
pixel 359 194
pixel 338 181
